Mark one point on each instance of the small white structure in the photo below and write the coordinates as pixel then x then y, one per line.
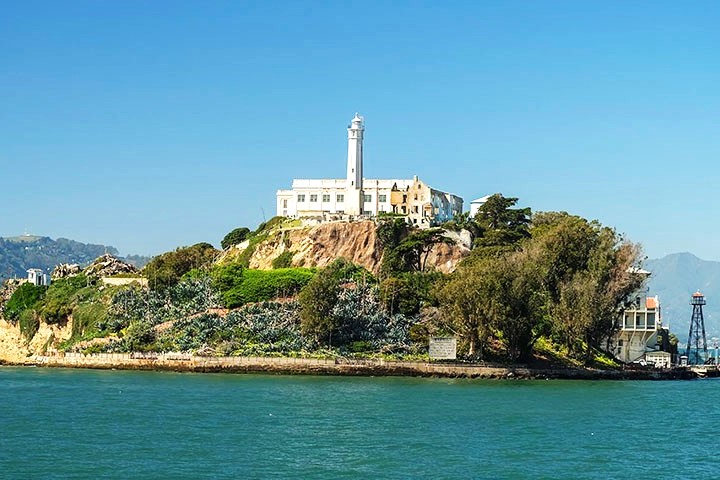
pixel 659 359
pixel 37 277
pixel 358 196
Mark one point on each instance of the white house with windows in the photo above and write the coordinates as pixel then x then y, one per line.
pixel 358 196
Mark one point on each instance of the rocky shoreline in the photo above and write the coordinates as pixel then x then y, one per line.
pixel 338 366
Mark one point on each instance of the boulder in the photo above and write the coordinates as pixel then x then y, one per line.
pixel 8 288
pixel 65 270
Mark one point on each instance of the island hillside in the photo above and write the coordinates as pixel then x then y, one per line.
pixel 511 286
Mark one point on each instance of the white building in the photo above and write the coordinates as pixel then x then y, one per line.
pixel 638 332
pixel 358 196
pixel 38 277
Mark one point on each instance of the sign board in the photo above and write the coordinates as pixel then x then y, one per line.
pixel 443 348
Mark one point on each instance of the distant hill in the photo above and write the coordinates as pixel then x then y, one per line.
pixel 674 279
pixel 17 254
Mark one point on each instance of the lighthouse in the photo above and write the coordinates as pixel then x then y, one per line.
pixel 354 199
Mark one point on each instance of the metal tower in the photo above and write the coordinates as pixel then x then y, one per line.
pixel 696 337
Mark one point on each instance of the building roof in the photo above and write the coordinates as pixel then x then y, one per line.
pixel 639 271
pixel 651 302
pixel 481 199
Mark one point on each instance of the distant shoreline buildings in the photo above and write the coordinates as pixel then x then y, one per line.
pixel 356 196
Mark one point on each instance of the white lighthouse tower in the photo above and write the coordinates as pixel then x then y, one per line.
pixel 354 187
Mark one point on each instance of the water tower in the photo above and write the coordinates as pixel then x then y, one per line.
pixel 696 337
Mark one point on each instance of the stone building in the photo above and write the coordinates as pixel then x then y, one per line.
pixel 356 196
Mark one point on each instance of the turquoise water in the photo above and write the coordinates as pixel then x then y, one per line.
pixel 62 423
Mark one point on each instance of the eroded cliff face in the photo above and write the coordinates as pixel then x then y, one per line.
pixel 14 348
pixel 319 245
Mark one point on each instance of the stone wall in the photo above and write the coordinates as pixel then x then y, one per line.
pixel 337 366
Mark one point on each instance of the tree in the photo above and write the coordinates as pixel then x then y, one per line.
pixel 390 232
pixel 495 296
pixel 415 248
pixel 571 280
pixel 236 236
pixel 465 309
pixel 499 223
pixel 587 271
pixel 516 302
pixel 408 292
pixel 319 297
pixel 167 269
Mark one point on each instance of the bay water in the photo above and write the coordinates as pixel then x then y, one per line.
pixel 65 423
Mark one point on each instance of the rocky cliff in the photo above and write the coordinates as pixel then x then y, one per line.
pixel 318 245
pixel 14 348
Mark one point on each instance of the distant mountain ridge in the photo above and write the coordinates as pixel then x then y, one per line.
pixel 674 279
pixel 17 254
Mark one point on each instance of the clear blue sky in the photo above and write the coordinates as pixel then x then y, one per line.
pixel 151 125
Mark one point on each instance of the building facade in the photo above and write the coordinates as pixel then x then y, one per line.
pixel 638 332
pixel 356 196
pixel 37 277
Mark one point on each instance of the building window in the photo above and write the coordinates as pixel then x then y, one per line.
pixel 340 198
pixel 382 198
pixel 367 198
pixel 301 197
pixel 367 212
pixel 284 202
pixel 326 197
pixel 313 198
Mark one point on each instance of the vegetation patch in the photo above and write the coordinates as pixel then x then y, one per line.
pixel 22 300
pixel 284 260
pixel 239 286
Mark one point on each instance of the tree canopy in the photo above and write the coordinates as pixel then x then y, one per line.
pixel 167 269
pixel 234 237
pixel 500 224
pixel 569 278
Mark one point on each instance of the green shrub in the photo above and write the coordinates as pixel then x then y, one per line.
pixel 62 296
pixel 87 317
pixel 284 260
pixel 24 298
pixel 245 256
pixel 239 286
pixel 259 285
pixel 236 236
pixel 226 277
pixel 269 225
pixel 29 324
